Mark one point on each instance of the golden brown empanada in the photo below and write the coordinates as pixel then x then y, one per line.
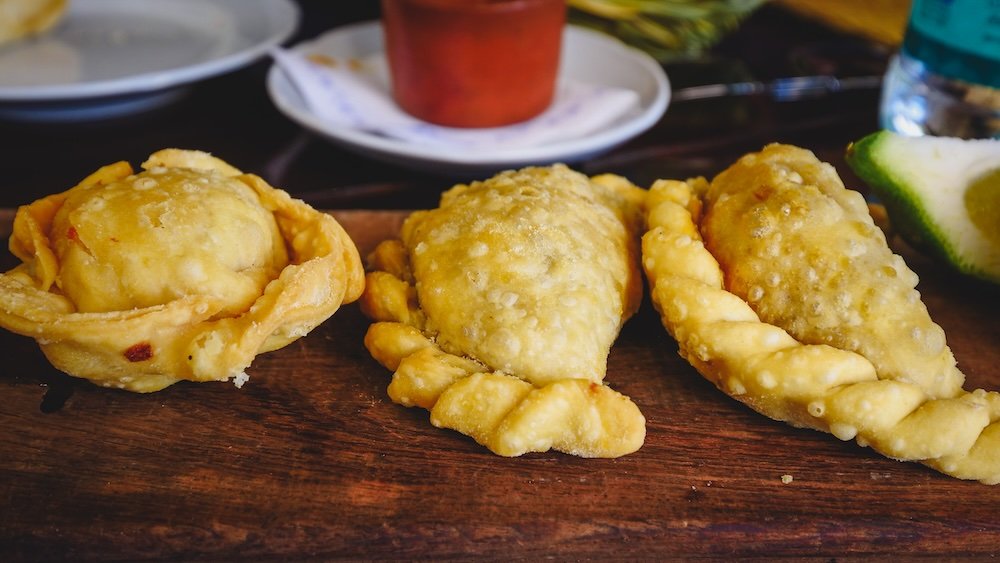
pixel 498 309
pixel 185 270
pixel 781 291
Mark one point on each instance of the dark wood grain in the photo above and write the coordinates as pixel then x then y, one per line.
pixel 311 460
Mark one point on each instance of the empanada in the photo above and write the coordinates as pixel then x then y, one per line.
pixel 781 291
pixel 498 309
pixel 185 270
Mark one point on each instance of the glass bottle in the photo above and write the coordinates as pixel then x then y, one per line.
pixel 945 80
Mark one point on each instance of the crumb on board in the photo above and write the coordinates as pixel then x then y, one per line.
pixel 786 479
pixel 240 378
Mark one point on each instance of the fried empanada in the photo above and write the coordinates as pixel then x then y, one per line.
pixel 498 310
pixel 183 271
pixel 780 290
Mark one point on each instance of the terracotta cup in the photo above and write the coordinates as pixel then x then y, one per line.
pixel 473 63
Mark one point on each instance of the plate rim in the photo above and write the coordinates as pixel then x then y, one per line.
pixel 155 81
pixel 397 150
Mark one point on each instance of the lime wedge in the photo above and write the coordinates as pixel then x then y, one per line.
pixel 942 195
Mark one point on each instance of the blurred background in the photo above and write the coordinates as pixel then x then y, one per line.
pixel 698 43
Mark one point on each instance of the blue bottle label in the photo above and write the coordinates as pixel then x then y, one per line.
pixel 957 38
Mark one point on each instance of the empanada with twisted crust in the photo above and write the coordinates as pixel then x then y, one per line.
pixel 498 309
pixel 781 291
pixel 183 271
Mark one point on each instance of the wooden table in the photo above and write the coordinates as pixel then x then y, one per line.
pixel 310 460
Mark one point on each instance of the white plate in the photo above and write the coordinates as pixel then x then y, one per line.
pixel 119 56
pixel 587 56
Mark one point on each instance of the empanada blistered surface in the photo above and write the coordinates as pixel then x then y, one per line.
pixel 183 271
pixel 809 354
pixel 498 310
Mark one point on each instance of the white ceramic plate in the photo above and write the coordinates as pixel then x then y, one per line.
pixel 118 56
pixel 587 56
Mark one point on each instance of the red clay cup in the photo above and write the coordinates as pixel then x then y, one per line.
pixel 473 63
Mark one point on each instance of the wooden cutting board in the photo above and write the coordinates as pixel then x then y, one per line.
pixel 311 460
